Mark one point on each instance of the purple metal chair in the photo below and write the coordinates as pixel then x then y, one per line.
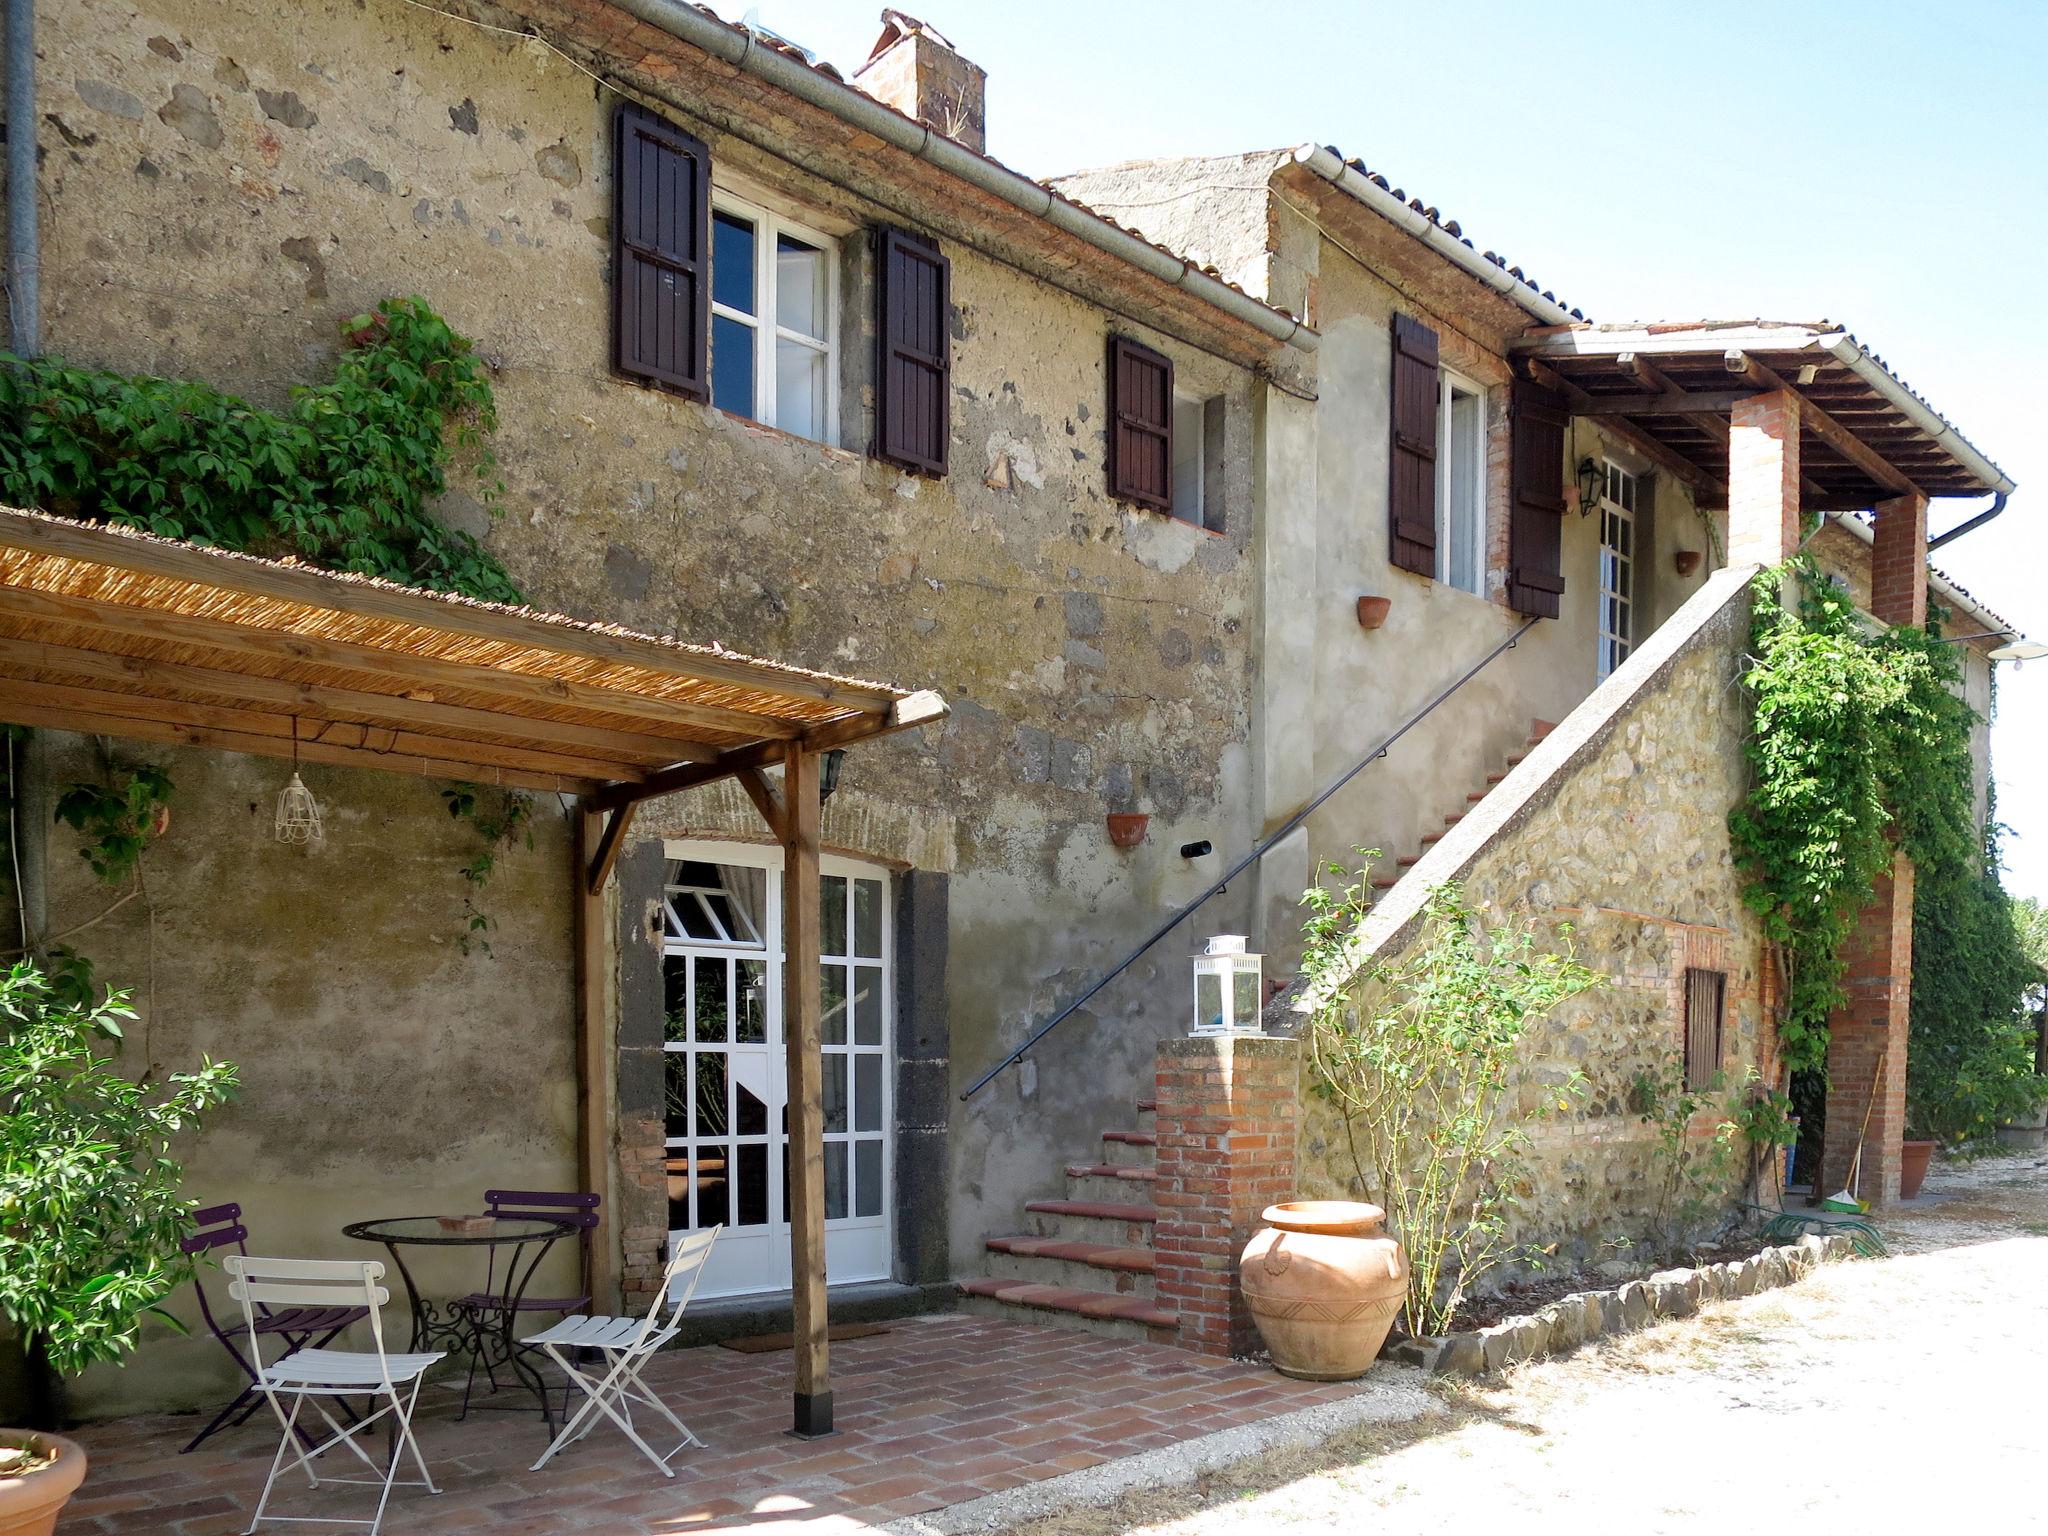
pixel 502 1304
pixel 220 1226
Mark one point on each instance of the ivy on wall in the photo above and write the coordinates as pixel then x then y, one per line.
pixel 1861 740
pixel 340 478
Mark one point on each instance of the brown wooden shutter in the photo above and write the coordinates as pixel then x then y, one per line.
pixel 1411 495
pixel 661 235
pixel 914 366
pixel 1140 424
pixel 1536 500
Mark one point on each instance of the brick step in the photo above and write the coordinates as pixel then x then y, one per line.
pixel 1127 1149
pixel 1108 1183
pixel 1114 1223
pixel 1078 1266
pixel 1095 1312
pixel 1147 1106
pixel 1475 797
pixel 1132 1138
pixel 1538 729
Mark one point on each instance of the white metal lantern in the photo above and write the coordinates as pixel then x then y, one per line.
pixel 1228 989
pixel 298 813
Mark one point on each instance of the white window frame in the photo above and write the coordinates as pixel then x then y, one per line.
pixel 1189 500
pixel 1616 616
pixel 1448 385
pixel 768 226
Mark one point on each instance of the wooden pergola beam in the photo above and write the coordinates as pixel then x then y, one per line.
pixel 1657 453
pixel 1664 403
pixel 1823 426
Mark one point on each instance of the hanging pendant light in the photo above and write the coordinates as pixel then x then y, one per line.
pixel 298 813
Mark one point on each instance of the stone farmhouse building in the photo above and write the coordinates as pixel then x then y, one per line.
pixel 785 359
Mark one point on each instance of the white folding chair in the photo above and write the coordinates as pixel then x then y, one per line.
pixel 626 1345
pixel 308 1375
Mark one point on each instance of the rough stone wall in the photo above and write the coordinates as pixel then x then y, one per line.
pixel 1617 827
pixel 220 188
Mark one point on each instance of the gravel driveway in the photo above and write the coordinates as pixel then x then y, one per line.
pixel 1899 1395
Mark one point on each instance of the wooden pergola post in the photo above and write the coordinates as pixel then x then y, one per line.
pixel 801 1006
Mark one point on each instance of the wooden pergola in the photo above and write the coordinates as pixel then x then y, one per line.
pixel 113 632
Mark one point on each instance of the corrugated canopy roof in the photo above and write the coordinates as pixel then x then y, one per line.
pixel 116 632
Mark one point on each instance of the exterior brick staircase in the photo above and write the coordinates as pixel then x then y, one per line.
pixel 1087 1262
pixel 1538 729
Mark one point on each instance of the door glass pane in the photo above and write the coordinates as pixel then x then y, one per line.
pixel 710 999
pixel 676 1172
pixel 799 287
pixel 750 1092
pixel 800 389
pixel 835 1093
pixel 675 1074
pixel 750 1026
pixel 867 1091
pixel 832 915
pixel 732 366
pixel 867 1178
pixel 867 919
pixel 867 1005
pixel 714 1195
pixel 750 1169
pixel 835 1180
pixel 675 998
pixel 732 261
pixel 832 1015
pixel 710 1074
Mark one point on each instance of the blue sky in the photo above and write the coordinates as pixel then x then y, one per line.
pixel 1884 165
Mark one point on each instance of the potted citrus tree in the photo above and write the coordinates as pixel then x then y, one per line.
pixel 90 1208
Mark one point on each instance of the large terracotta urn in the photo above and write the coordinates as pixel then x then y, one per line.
pixel 1323 1282
pixel 30 1504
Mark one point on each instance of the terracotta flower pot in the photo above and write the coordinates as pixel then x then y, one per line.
pixel 1372 611
pixel 1323 1282
pixel 1127 828
pixel 1913 1159
pixel 1687 561
pixel 29 1505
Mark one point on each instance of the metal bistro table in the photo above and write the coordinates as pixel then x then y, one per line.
pixel 449 1326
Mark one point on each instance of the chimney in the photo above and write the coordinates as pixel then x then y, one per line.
pixel 915 70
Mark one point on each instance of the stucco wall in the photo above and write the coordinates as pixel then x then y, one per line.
pixel 1617 827
pixel 220 189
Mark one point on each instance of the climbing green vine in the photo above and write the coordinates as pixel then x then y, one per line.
pixel 499 817
pixel 340 478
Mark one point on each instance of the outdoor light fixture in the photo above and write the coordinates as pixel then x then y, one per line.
pixel 1201 848
pixel 1592 481
pixel 1228 993
pixel 828 772
pixel 298 813
pixel 2017 650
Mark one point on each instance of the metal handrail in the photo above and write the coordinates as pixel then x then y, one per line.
pixel 1258 852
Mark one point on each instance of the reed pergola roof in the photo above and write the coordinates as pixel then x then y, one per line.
pixel 116 632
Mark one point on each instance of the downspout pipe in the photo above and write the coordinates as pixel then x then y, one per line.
pixel 24 268
pixel 745 52
pixel 1326 163
pixel 1997 506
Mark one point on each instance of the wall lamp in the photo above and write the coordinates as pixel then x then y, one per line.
pixel 828 772
pixel 1592 481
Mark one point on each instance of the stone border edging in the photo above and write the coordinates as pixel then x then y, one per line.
pixel 1583 1316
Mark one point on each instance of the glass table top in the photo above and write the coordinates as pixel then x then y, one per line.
pixel 457 1229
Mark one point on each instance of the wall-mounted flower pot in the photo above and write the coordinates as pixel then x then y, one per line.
pixel 1127 828
pixel 1913 1159
pixel 1687 561
pixel 1372 611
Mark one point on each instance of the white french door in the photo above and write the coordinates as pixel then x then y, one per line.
pixel 726 1098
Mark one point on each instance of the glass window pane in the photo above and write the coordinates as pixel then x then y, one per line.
pixel 714 1195
pixel 750 1200
pixel 1188 455
pixel 867 1005
pixel 867 1092
pixel 832 915
pixel 676 1175
pixel 867 919
pixel 732 261
pixel 749 1087
pixel 799 287
pixel 709 1003
pixel 675 1075
pixel 800 389
pixel 867 1178
pixel 710 1075
pixel 832 1013
pixel 732 366
pixel 835 1092
pixel 675 997
pixel 750 1026
pixel 835 1180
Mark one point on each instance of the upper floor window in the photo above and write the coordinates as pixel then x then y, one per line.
pixel 1461 483
pixel 1198 461
pixel 772 322
pixel 1617 567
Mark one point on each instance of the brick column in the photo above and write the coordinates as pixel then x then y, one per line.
pixel 1763 478
pixel 1225 1125
pixel 1871 1030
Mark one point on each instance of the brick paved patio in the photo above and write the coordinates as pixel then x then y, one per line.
pixel 939 1410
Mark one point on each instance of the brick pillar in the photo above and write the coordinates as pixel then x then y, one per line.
pixel 1898 562
pixel 1763 478
pixel 1869 1030
pixel 1225 1124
